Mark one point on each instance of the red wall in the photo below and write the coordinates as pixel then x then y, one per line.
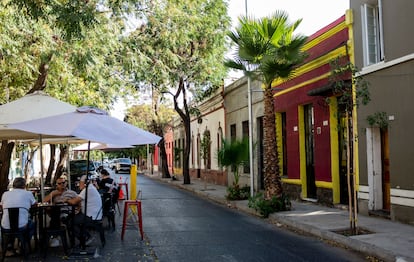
pixel 290 101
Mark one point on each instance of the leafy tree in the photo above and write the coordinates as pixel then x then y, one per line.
pixel 268 49
pixel 155 119
pixel 181 45
pixel 70 49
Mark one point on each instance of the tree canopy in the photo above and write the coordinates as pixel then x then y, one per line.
pixel 70 49
pixel 181 45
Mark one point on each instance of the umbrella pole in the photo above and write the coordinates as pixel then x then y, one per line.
pixel 42 186
pixel 87 176
pixel 82 238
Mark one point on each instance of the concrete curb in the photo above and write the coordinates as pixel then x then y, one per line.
pixel 348 242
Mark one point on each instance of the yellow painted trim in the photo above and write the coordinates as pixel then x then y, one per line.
pixel 323 184
pixel 325 36
pixel 349 18
pixel 302 84
pixel 333 130
pixel 279 141
pixel 302 150
pixel 292 181
pixel 314 64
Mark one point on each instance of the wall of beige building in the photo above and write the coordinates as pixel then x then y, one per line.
pixel 237 113
pixel 209 126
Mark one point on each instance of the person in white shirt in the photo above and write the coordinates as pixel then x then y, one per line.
pixel 93 206
pixel 18 196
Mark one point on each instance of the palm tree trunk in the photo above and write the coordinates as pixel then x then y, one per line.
pixel 272 181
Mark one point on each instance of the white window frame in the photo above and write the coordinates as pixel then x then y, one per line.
pixel 372 33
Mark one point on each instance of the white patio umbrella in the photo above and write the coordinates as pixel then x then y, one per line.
pixel 31 106
pixel 91 124
pixel 100 146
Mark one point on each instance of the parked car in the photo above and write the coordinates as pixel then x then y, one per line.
pixel 77 168
pixel 123 164
pixel 112 163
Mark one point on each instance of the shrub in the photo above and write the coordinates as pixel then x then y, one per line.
pixel 236 193
pixel 265 207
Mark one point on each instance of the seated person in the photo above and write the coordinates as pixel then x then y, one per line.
pixel 61 192
pixel 59 195
pixel 93 206
pixel 18 197
pixel 107 184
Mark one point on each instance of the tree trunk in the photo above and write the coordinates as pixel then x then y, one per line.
pixel 186 154
pixel 164 163
pixel 272 181
pixel 27 165
pixel 41 80
pixel 185 117
pixel 5 156
pixel 62 159
pixel 48 179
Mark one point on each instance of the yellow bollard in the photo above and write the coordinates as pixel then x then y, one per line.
pixel 133 187
pixel 133 182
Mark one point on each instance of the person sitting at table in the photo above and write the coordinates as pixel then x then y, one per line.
pixel 93 208
pixel 58 196
pixel 61 192
pixel 107 184
pixel 18 196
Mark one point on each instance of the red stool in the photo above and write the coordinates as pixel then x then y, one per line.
pixel 127 205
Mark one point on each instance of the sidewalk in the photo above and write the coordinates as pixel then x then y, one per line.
pixel 388 240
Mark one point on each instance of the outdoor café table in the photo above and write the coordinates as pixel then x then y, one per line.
pixel 50 223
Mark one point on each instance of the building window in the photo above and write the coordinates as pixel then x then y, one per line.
pixel 233 132
pixel 206 149
pixel 219 138
pixel 245 128
pixel 198 151
pixel 192 151
pixel 372 33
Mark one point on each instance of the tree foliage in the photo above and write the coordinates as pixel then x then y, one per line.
pixel 70 49
pixel 181 45
pixel 143 115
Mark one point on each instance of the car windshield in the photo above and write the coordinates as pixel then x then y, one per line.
pixel 124 160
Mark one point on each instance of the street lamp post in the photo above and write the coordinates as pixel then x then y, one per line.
pixel 249 98
pixel 249 102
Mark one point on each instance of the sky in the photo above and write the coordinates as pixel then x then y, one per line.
pixel 315 14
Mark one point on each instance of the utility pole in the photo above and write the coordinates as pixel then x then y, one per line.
pixel 249 102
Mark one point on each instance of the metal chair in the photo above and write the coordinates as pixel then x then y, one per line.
pixel 55 229
pixel 108 208
pixel 9 235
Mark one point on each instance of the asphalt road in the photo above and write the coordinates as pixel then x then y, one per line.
pixel 180 226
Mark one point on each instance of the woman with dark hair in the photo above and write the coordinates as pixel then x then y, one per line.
pixel 106 184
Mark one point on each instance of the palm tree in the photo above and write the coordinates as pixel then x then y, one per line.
pixel 267 49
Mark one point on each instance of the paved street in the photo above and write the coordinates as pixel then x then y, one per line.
pixel 183 227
